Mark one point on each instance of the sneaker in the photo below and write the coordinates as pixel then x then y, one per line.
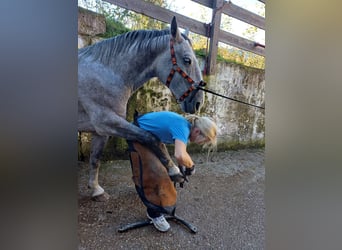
pixel 160 223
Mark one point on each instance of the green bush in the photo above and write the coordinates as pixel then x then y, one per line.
pixel 114 28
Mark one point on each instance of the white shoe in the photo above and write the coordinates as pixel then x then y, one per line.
pixel 160 223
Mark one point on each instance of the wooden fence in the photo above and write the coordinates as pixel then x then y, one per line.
pixel 210 30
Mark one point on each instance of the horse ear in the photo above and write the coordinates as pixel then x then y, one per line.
pixel 186 32
pixel 174 30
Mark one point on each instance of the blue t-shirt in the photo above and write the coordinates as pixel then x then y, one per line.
pixel 166 125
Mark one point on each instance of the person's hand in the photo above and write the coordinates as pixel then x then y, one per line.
pixel 181 177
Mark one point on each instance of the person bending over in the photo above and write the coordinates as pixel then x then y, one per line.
pixel 172 128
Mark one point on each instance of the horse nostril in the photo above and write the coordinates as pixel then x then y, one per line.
pixel 198 104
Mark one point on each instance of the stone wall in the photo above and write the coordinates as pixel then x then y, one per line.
pixel 239 125
pixel 90 24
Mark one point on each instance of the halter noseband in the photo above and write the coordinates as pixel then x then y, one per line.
pixel 175 68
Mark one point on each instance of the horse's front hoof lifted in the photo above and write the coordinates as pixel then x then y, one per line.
pixel 101 198
pixel 177 178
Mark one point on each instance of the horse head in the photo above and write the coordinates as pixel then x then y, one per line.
pixel 184 74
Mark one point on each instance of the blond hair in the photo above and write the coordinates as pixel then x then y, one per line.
pixel 207 126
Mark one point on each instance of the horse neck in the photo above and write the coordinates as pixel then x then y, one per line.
pixel 137 65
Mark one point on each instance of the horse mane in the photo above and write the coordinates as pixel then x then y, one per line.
pixel 138 40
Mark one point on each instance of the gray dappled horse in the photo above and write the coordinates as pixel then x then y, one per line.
pixel 110 71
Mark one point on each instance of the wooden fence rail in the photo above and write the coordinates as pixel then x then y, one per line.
pixel 211 30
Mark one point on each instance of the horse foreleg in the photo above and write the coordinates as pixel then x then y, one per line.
pixel 160 150
pixel 172 169
pixel 97 144
pixel 163 154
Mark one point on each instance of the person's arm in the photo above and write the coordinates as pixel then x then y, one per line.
pixel 181 155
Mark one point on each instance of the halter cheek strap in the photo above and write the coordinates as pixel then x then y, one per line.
pixel 175 68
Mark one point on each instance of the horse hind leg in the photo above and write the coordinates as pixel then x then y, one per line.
pixel 97 144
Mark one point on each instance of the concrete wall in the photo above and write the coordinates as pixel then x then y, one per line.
pixel 239 125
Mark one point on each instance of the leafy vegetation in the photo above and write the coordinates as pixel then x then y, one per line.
pixel 114 28
pixel 116 17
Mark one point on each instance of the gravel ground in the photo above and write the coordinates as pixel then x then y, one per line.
pixel 224 199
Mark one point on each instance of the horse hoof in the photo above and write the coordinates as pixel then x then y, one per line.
pixel 179 178
pixel 101 198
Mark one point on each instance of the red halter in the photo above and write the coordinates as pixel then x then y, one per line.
pixel 175 68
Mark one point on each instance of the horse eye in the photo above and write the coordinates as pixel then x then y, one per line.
pixel 187 60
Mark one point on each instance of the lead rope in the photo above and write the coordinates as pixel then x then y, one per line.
pixel 212 92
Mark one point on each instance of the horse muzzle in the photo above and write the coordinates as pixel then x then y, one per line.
pixel 192 103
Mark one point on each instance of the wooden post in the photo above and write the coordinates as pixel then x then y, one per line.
pixel 214 35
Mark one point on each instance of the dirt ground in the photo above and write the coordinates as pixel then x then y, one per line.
pixel 224 199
